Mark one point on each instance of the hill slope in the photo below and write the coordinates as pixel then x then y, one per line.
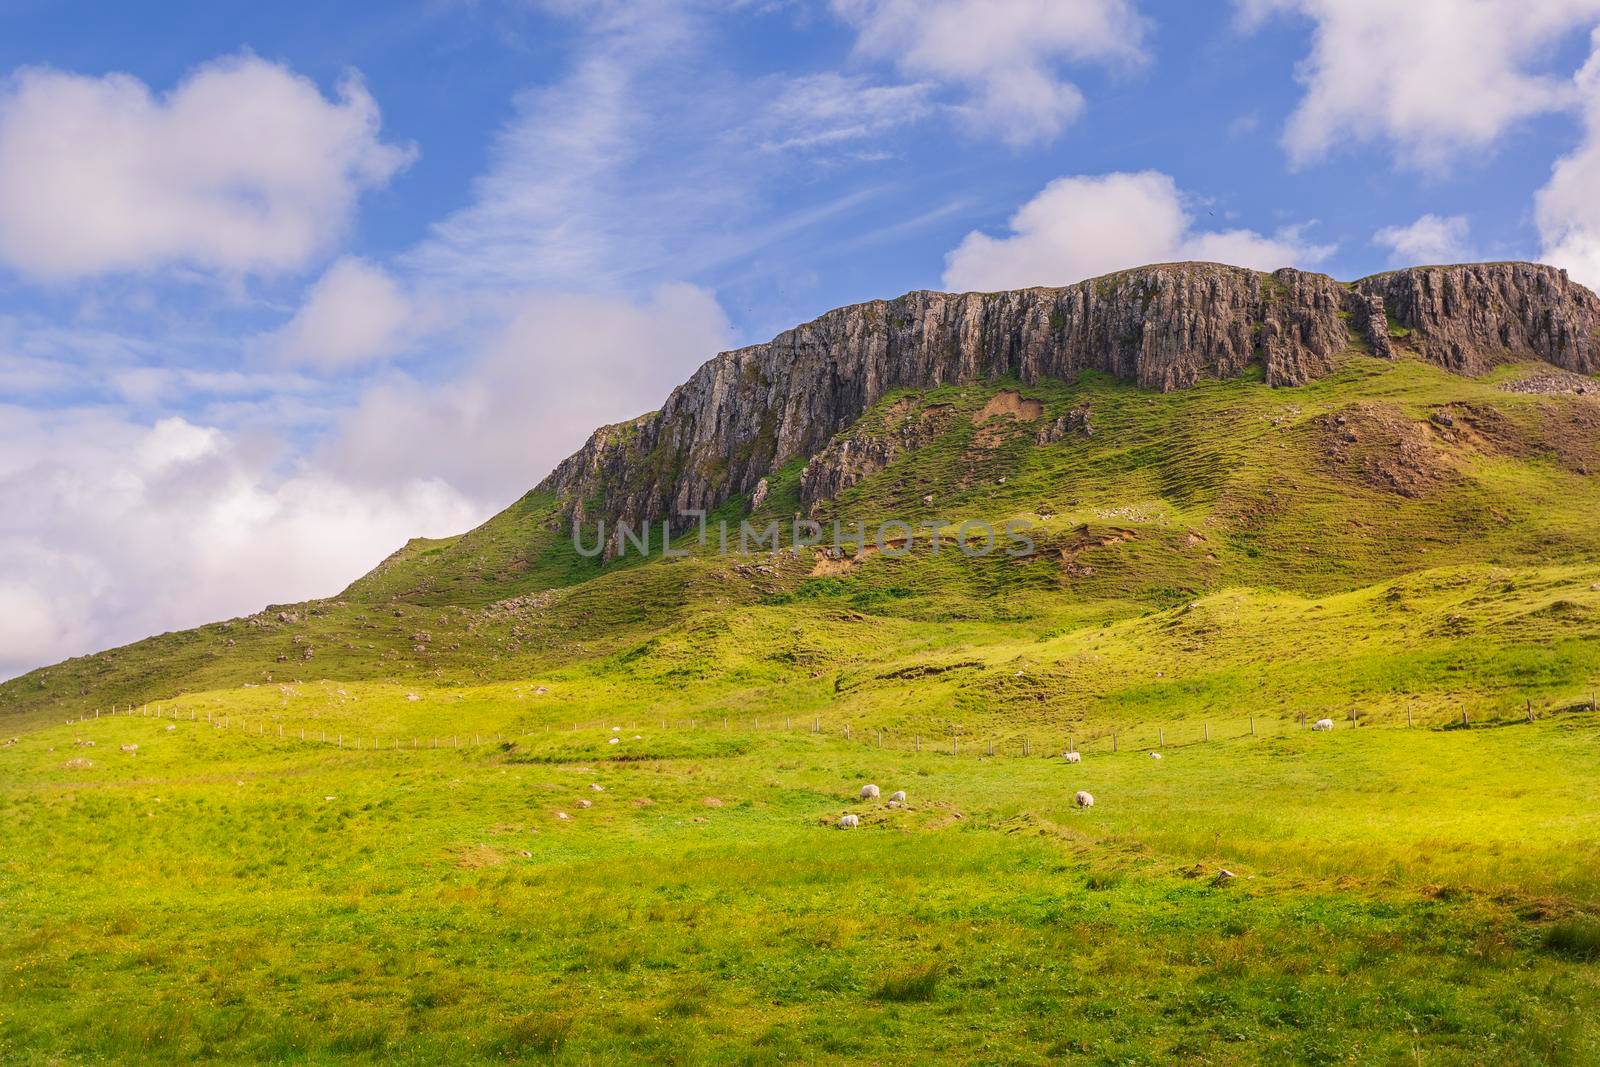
pixel 1392 481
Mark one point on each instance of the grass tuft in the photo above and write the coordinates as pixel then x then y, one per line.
pixel 914 986
pixel 1577 939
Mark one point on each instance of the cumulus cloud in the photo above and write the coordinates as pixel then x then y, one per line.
pixel 1005 53
pixel 115 529
pixel 1430 239
pixel 354 314
pixel 557 367
pixel 1083 226
pixel 244 167
pixel 1435 78
pixel 1567 209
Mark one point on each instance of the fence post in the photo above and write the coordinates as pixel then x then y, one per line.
pixel 1530 709
pixel 919 743
pixel 1113 740
pixel 991 746
pixel 1208 732
pixel 1464 721
pixel 817 729
pixel 952 744
pixel 1408 715
pixel 1252 726
pixel 1161 737
pixel 341 740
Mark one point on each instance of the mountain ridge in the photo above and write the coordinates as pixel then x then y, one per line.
pixel 747 412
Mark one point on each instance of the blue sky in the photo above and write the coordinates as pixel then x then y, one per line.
pixel 282 285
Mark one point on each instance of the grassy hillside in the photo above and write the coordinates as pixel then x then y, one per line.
pixel 1215 545
pixel 341 835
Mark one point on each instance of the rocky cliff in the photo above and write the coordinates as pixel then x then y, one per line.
pixel 748 412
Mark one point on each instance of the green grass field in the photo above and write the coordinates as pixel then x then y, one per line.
pixel 1400 894
pixel 340 834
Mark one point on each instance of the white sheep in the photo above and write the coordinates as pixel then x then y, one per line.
pixel 869 792
pixel 1155 755
pixel 898 796
pixel 1322 724
pixel 1084 799
pixel 849 822
pixel 1074 757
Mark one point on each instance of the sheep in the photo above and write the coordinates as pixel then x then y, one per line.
pixel 130 748
pixel 1322 724
pixel 849 822
pixel 1074 757
pixel 898 796
pixel 1084 799
pixel 869 792
pixel 1155 755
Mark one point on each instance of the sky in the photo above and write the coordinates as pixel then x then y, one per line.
pixel 284 285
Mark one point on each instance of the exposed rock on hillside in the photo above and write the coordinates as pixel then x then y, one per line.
pixel 746 413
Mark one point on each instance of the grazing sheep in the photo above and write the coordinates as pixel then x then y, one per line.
pixel 1084 799
pixel 1074 757
pixel 1322 724
pixel 849 822
pixel 171 727
pixel 130 748
pixel 898 796
pixel 1155 755
pixel 597 787
pixel 585 803
pixel 615 741
pixel 869 792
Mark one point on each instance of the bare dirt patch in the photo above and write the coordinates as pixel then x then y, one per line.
pixel 1000 417
pixel 1565 431
pixel 1008 402
pixel 1378 446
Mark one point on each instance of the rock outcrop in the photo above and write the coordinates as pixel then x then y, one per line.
pixel 1468 318
pixel 746 413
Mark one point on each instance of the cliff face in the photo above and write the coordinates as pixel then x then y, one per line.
pixel 748 412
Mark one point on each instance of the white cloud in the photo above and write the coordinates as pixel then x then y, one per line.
pixel 115 529
pixel 559 366
pixel 1435 78
pixel 244 167
pixel 1567 209
pixel 1431 239
pixel 1084 226
pixel 827 110
pixel 354 314
pixel 1005 53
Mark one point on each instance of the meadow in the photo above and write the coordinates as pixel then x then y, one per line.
pixel 498 802
pixel 1399 894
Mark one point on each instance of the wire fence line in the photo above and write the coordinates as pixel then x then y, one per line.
pixel 952 741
